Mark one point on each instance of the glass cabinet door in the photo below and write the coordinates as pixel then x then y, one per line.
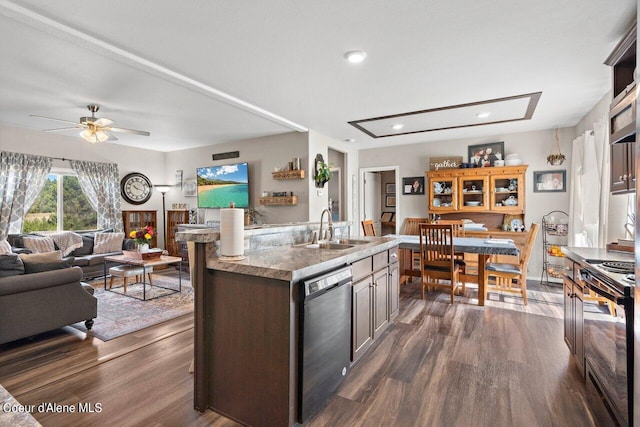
pixel 473 193
pixel 442 194
pixel 507 193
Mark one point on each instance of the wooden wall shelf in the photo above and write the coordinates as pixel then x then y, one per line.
pixel 281 200
pixel 295 174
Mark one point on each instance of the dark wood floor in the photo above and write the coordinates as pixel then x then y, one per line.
pixel 437 365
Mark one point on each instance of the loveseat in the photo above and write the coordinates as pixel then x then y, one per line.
pixel 92 264
pixel 43 301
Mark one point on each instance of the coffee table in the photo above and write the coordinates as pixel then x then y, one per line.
pixel 161 261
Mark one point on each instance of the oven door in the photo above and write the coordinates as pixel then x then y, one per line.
pixel 607 348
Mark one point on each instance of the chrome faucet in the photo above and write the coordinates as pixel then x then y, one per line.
pixel 329 224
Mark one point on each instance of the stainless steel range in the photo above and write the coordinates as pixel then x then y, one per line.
pixel 608 340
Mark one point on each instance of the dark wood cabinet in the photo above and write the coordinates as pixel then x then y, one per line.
pixel 622 116
pixel 573 319
pixel 136 220
pixel 375 298
pixel 174 218
pixel 623 166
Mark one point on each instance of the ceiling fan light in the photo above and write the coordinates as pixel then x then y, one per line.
pixel 93 136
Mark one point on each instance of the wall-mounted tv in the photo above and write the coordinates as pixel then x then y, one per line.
pixel 220 185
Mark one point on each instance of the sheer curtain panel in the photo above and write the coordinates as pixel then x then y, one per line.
pixel 22 177
pixel 100 184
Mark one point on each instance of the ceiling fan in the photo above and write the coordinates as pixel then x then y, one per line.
pixel 95 129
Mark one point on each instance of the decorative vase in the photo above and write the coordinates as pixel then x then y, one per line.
pixel 142 247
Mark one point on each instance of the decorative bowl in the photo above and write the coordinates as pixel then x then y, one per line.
pixel 472 203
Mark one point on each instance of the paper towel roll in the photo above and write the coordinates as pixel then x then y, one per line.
pixel 231 232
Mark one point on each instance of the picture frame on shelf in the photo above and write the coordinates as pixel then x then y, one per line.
pixel 390 188
pixel 390 201
pixel 552 181
pixel 485 155
pixel 413 185
pixel 189 188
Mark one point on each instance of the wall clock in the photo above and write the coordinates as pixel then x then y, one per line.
pixel 135 188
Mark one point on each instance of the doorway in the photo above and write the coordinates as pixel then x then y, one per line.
pixel 379 187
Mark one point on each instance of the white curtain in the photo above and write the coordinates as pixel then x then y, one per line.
pixel 100 184
pixel 22 177
pixel 589 191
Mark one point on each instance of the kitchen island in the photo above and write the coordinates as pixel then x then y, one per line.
pixel 247 321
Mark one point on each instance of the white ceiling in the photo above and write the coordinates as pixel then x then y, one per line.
pixel 192 72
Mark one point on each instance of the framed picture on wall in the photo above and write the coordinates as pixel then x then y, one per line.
pixel 549 181
pixel 189 188
pixel 484 155
pixel 390 188
pixel 413 185
pixel 390 201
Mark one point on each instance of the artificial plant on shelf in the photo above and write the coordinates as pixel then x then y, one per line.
pixel 323 174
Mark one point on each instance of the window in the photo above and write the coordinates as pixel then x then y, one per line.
pixel 61 205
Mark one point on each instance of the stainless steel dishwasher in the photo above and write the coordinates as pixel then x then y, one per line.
pixel 325 339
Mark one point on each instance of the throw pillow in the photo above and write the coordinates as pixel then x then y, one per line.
pixel 43 257
pixel 38 244
pixel 39 266
pixel 5 247
pixel 10 265
pixel 108 242
pixel 86 248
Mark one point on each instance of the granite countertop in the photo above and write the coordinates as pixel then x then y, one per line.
pixel 595 254
pixel 293 263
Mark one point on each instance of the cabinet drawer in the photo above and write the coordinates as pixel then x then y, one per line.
pixel 380 260
pixel 393 255
pixel 361 268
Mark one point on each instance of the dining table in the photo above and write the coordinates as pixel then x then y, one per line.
pixel 483 247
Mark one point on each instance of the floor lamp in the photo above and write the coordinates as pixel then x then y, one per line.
pixel 163 189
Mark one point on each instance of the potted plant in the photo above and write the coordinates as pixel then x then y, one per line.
pixel 251 215
pixel 322 175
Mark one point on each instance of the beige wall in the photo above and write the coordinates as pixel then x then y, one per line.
pixel 263 155
pixel 533 148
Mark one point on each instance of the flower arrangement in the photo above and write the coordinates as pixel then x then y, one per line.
pixel 142 236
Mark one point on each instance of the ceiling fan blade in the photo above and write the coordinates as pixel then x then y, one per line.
pixel 51 118
pixel 103 122
pixel 59 129
pixel 111 137
pixel 137 132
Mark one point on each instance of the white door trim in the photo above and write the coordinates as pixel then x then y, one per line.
pixel 361 192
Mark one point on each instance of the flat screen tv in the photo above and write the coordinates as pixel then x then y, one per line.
pixel 220 185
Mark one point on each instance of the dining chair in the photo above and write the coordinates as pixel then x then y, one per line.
pixel 368 227
pixel 509 275
pixel 437 259
pixel 411 227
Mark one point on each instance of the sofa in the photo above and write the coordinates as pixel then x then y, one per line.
pixel 92 264
pixel 32 303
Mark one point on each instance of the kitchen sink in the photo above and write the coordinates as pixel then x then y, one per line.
pixel 351 241
pixel 324 245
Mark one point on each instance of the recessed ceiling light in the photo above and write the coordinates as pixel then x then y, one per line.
pixel 397 126
pixel 483 115
pixel 349 140
pixel 355 56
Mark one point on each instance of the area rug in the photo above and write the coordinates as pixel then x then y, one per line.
pixel 120 315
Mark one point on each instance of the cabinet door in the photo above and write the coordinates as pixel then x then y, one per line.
pixel 473 193
pixel 442 194
pixel 394 290
pixel 619 166
pixel 631 155
pixel 507 193
pixel 578 316
pixel 380 302
pixel 568 314
pixel 362 332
